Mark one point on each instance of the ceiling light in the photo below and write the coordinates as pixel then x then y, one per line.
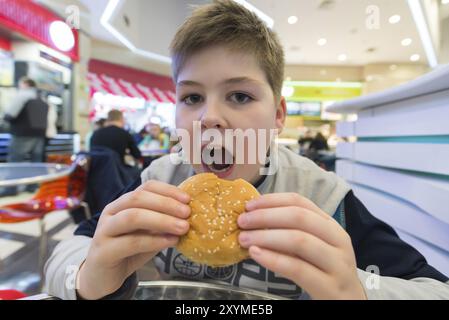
pixel 415 57
pixel 444 1
pixel 292 19
pixel 406 42
pixel 322 42
pixel 62 36
pixel 395 19
pixel 342 57
pixel 424 32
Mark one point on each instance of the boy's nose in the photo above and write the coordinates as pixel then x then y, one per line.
pixel 212 118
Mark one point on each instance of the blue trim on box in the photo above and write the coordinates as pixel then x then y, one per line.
pixel 443 139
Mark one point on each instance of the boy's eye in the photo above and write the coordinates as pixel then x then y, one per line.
pixel 240 98
pixel 192 99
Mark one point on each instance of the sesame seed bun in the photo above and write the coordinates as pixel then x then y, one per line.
pixel 215 206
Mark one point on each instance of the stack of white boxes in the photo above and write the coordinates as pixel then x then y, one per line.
pixel 399 164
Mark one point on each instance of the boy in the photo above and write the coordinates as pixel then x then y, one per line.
pixel 307 235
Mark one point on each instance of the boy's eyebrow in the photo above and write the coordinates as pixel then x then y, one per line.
pixel 228 81
pixel 240 80
pixel 188 83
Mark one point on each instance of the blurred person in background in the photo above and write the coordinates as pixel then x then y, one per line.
pixel 155 140
pixel 319 143
pixel 115 137
pixel 28 118
pixel 304 141
pixel 98 124
pixel 139 136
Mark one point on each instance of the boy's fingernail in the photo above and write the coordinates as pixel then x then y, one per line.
pixel 244 238
pixel 243 220
pixel 251 205
pixel 182 225
pixel 185 210
pixel 185 197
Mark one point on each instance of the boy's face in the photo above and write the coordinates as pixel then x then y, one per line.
pixel 224 89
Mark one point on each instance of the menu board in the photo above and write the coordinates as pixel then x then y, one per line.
pixel 304 108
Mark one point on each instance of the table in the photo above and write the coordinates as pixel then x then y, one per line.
pixel 187 290
pixel 16 174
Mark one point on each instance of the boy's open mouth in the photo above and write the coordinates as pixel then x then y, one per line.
pixel 218 160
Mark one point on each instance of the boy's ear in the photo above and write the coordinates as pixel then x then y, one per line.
pixel 281 113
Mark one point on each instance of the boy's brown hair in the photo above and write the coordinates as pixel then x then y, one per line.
pixel 225 22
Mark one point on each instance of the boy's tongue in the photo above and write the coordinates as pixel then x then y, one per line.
pixel 221 164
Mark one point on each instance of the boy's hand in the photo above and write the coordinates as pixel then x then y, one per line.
pixel 131 231
pixel 291 236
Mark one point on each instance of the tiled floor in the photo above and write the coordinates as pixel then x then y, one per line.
pixel 19 248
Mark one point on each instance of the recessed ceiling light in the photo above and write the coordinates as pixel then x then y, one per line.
pixel 292 19
pixel 395 19
pixel 393 67
pixel 415 57
pixel 342 57
pixel 322 42
pixel 406 42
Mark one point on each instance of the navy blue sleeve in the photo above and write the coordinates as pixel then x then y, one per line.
pixel 87 227
pixel 376 243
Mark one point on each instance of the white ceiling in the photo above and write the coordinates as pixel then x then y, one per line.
pixel 154 22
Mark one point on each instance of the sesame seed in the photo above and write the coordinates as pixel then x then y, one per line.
pixel 208 251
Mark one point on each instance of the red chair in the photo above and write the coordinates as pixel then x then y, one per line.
pixel 11 295
pixel 62 194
